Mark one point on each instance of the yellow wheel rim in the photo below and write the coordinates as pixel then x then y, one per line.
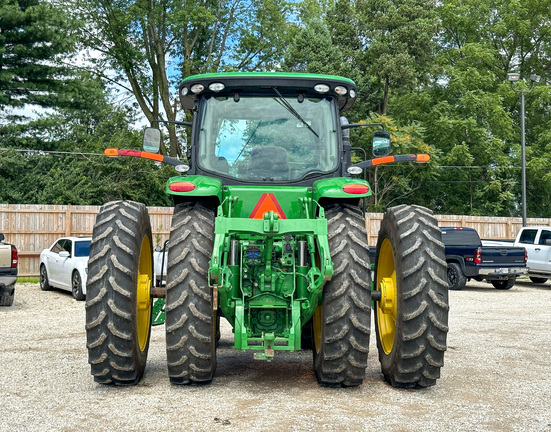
pixel 143 297
pixel 316 323
pixel 386 307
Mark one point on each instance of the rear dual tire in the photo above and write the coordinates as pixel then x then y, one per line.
pixel 118 305
pixel 341 325
pixel 191 321
pixel 411 318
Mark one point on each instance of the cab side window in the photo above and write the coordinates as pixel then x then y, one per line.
pixel 528 236
pixel 545 237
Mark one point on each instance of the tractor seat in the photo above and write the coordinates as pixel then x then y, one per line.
pixel 268 162
pixel 220 164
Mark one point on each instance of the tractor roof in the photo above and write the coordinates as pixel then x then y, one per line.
pixel 263 83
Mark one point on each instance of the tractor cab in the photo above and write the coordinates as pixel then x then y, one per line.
pixel 252 128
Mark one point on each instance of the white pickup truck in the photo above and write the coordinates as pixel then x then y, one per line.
pixel 537 241
pixel 8 272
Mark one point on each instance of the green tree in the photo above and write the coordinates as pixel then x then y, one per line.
pixel 65 164
pixel 154 44
pixel 399 39
pixel 35 36
pixel 471 114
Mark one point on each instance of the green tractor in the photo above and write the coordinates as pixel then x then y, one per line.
pixel 268 232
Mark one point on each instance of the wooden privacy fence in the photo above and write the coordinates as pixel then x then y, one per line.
pixel 33 228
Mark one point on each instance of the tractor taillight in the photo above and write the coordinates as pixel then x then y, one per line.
pixel 181 186
pixel 355 188
pixel 478 256
pixel 14 256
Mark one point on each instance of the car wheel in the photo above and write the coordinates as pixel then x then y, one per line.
pixel 503 284
pixel 6 299
pixel 76 286
pixel 44 283
pixel 538 280
pixel 456 278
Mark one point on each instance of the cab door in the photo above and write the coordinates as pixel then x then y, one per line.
pixel 541 255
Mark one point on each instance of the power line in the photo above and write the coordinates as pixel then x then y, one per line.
pixel 38 152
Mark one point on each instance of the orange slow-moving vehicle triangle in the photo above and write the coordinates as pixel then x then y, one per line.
pixel 267 202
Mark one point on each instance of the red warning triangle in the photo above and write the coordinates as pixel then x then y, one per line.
pixel 266 203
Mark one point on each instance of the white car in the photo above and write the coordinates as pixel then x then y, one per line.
pixel 65 265
pixel 160 258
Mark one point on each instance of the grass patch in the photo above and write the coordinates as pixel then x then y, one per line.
pixel 28 280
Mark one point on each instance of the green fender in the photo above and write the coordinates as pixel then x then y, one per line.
pixel 334 188
pixel 204 186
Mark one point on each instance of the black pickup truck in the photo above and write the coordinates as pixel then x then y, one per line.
pixel 468 259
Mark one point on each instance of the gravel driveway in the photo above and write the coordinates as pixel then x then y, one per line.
pixel 497 377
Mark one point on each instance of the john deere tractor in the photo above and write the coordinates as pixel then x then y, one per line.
pixel 268 232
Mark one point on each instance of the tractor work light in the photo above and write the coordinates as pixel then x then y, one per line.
pixel 352 93
pixel 340 90
pixel 181 186
pixel 354 170
pixel 185 91
pixel 321 88
pixel 183 168
pixel 197 88
pixel 355 189
pixel 216 87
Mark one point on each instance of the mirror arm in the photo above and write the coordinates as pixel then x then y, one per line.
pixel 180 123
pixel 113 152
pixel 357 125
pixel 419 158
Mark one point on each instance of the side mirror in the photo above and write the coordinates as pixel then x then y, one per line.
pixel 2 237
pixel 64 254
pixel 151 140
pixel 381 143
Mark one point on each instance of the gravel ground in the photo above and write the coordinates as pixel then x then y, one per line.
pixel 497 377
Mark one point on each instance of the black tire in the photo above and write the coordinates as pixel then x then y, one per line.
pixel 411 318
pixel 6 299
pixel 342 323
pixel 76 286
pixel 44 281
pixel 191 322
pixel 118 306
pixel 538 280
pixel 503 284
pixel 307 335
pixel 456 279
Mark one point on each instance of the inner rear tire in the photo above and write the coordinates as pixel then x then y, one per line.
pixel 341 325
pixel 191 322
pixel 118 306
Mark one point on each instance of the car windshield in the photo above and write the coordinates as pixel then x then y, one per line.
pixel 268 138
pixel 82 248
